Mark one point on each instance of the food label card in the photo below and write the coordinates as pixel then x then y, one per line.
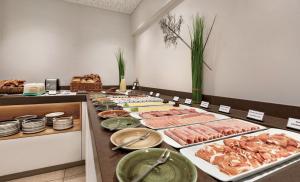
pixel 225 109
pixel 176 99
pixel 204 104
pixel 157 94
pixel 294 123
pixel 257 115
pixel 188 101
pixel 151 93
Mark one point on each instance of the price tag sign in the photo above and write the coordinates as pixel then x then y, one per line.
pixel 257 115
pixel 133 88
pixel 225 109
pixel 176 99
pixel 151 93
pixel 157 94
pixel 171 103
pixel 52 92
pixel 204 104
pixel 294 123
pixel 188 101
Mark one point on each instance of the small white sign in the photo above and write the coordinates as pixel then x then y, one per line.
pixel 225 109
pixel 188 101
pixel 157 94
pixel 294 123
pixel 134 84
pixel 151 93
pixel 172 103
pixel 176 99
pixel 257 115
pixel 133 88
pixel 204 104
pixel 52 92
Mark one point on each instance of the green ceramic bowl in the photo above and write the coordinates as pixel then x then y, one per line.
pixel 119 123
pixel 177 169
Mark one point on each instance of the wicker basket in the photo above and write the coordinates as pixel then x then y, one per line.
pixel 77 84
pixel 89 87
pixel 11 90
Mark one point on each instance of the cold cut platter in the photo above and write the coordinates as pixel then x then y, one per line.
pixel 170 121
pixel 207 132
pixel 236 158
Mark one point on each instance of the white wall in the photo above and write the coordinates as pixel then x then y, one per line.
pixel 53 38
pixel 145 10
pixel 253 50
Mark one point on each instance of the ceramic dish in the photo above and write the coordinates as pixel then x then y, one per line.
pixel 129 134
pixel 24 117
pixel 119 123
pixel 177 169
pixel 109 103
pixel 30 126
pixel 214 171
pixel 63 123
pixel 53 115
pixel 8 128
pixel 101 108
pixel 113 114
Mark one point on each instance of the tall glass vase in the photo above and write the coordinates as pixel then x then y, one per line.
pixel 197 56
pixel 197 77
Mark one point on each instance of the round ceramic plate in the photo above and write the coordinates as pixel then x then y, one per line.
pixel 119 123
pixel 101 108
pixel 54 114
pixel 177 168
pixel 129 134
pixel 113 114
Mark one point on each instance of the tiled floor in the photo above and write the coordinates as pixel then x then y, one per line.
pixel 74 174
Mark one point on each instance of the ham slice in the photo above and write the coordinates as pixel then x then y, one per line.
pixel 171 112
pixel 239 155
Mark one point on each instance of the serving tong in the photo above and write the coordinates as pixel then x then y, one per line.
pixel 161 160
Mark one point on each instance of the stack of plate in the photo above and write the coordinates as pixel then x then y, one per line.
pixel 23 118
pixel 50 117
pixel 34 125
pixel 62 123
pixel 8 128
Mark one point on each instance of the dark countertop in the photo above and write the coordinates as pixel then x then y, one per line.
pixel 106 160
pixel 20 99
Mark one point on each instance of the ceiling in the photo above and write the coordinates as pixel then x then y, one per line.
pixel 122 6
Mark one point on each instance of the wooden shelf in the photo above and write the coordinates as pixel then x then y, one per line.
pixel 48 131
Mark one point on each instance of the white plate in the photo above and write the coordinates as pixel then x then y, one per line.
pixel 218 117
pixel 173 143
pixel 214 171
pixel 137 114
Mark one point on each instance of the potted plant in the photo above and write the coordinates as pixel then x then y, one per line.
pixel 121 66
pixel 171 29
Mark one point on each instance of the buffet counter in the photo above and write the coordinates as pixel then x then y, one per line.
pixel 106 160
pixel 101 161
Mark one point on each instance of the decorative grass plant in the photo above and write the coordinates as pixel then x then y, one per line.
pixel 197 57
pixel 171 30
pixel 121 64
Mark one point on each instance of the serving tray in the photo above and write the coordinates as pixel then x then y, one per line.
pixel 217 116
pixel 214 171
